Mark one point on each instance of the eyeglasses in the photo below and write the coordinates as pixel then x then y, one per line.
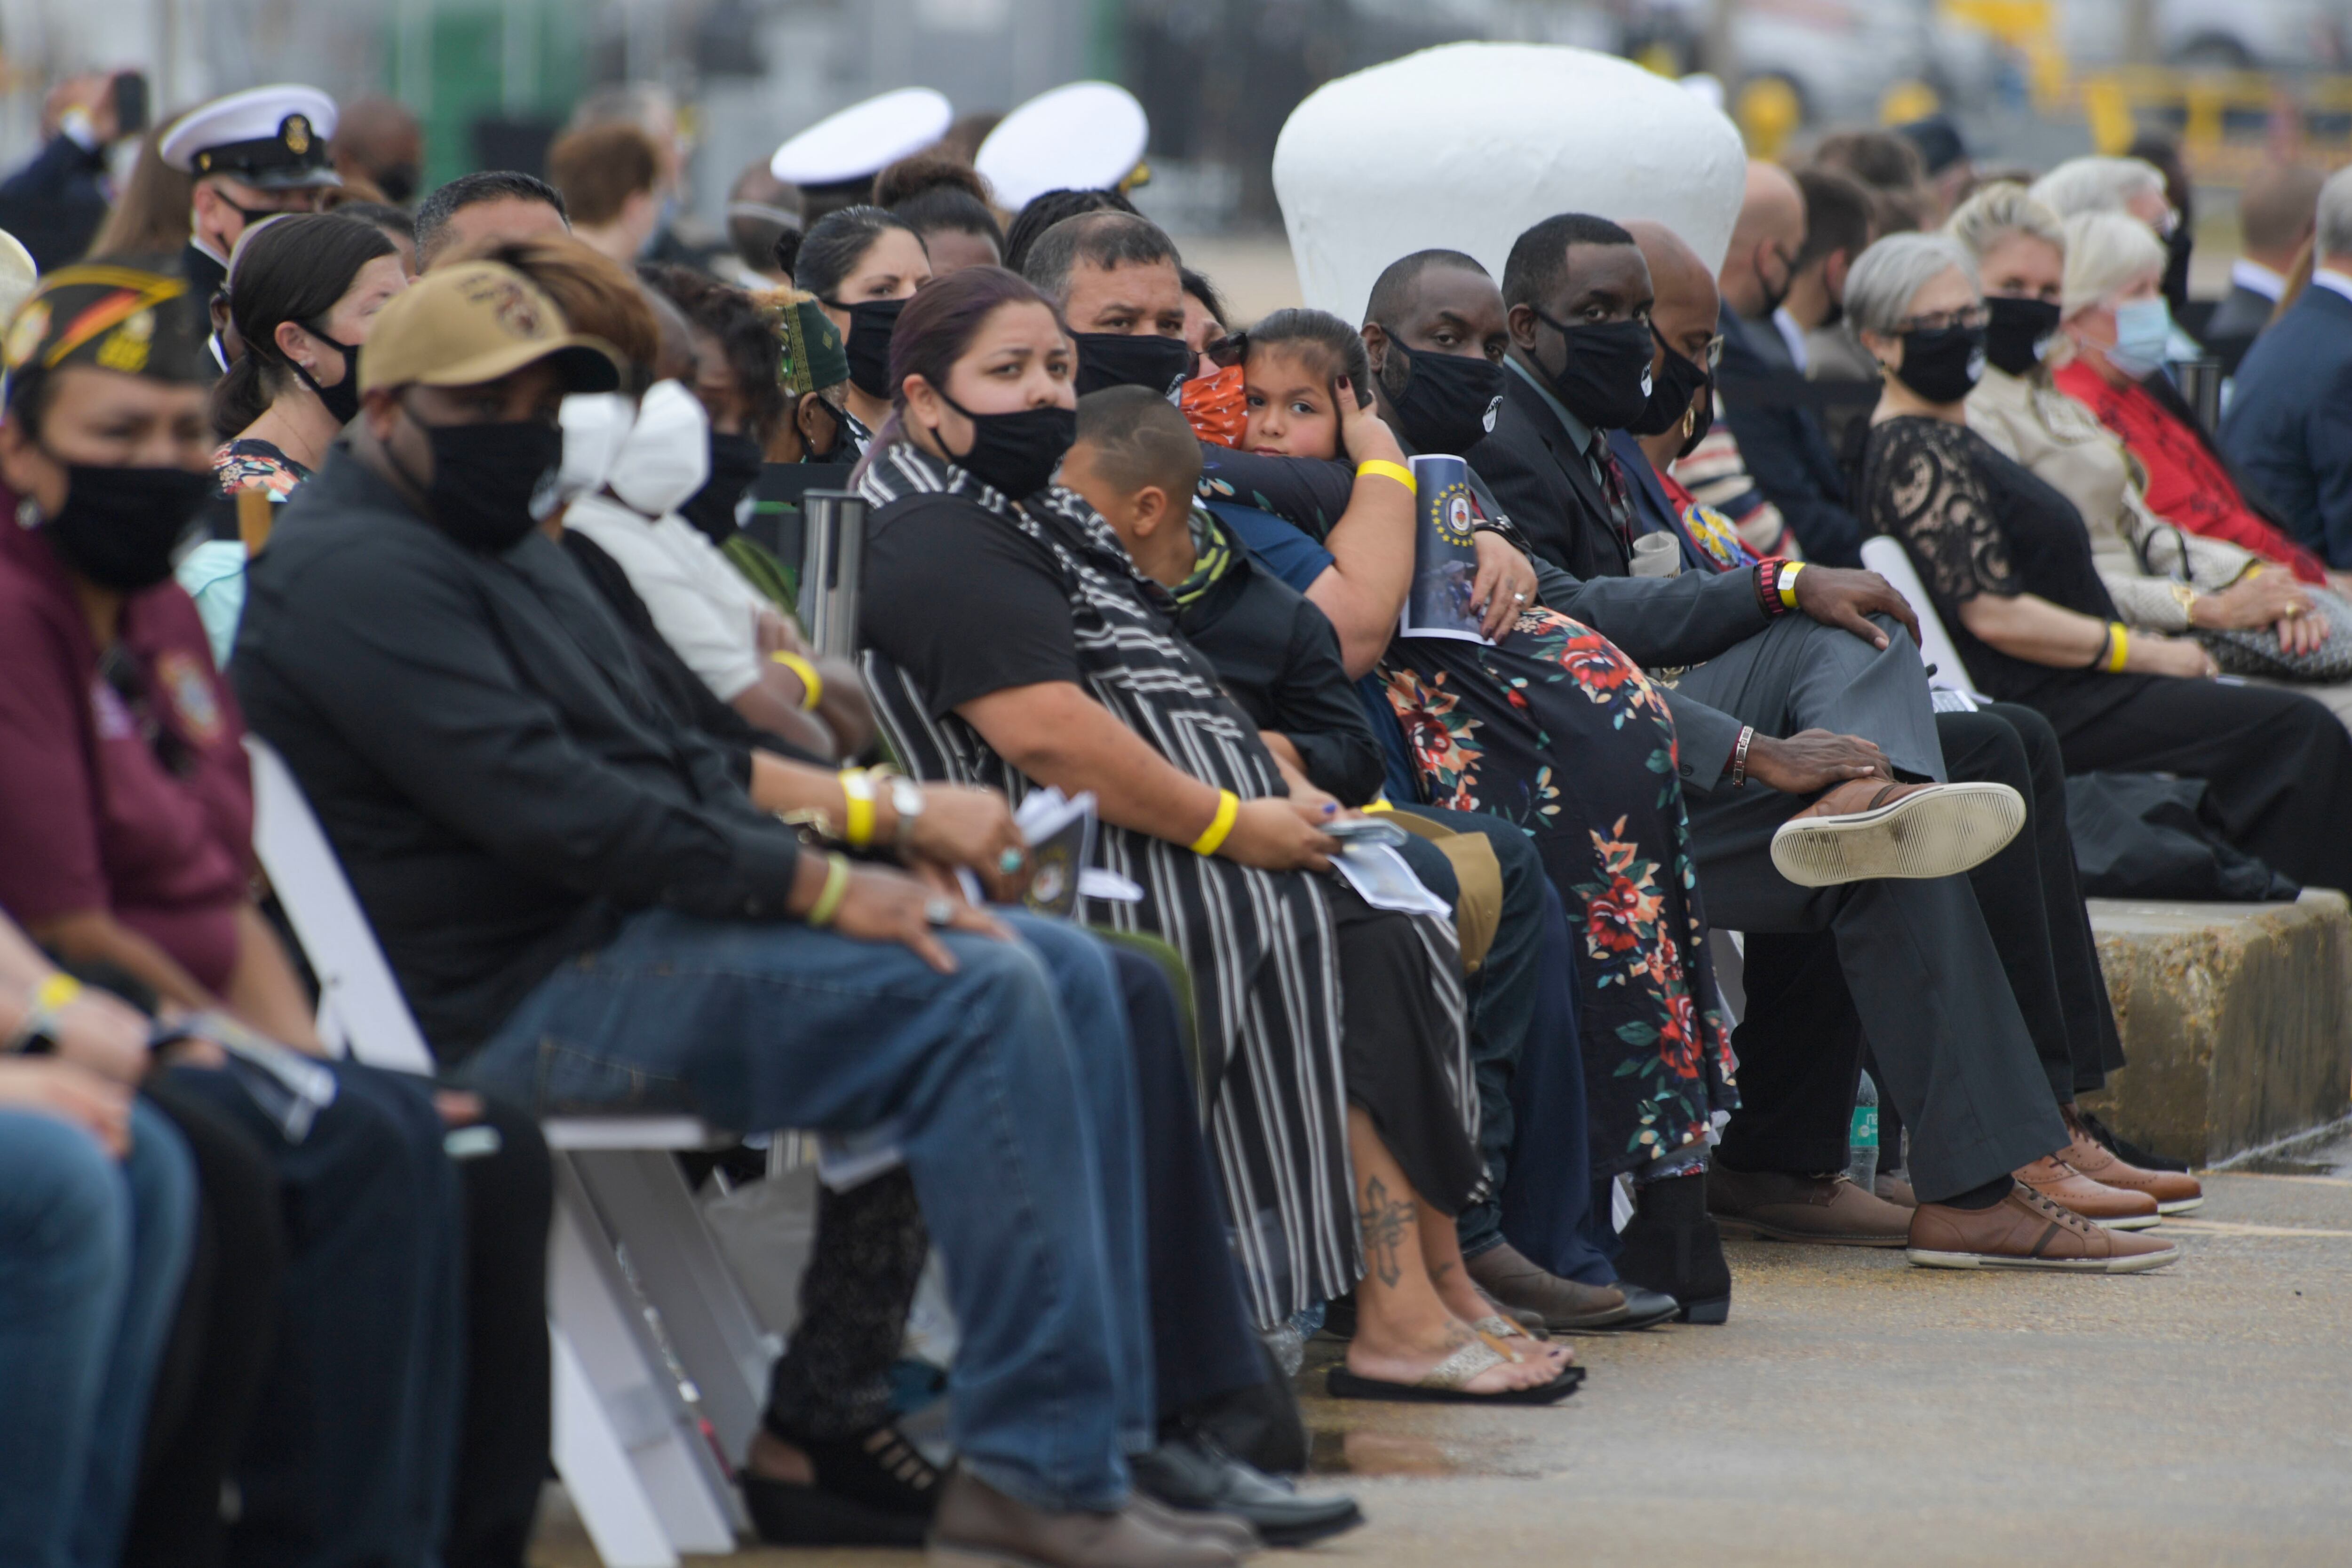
pixel 1968 321
pixel 304 202
pixel 1227 351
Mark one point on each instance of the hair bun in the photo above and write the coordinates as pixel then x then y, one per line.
pixel 932 170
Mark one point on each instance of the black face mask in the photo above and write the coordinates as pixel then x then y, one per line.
pixel 2177 247
pixel 1132 359
pixel 1671 395
pixel 343 398
pixel 2016 330
pixel 1943 365
pixel 397 184
pixel 485 477
pixel 1014 452
pixel 1446 403
pixel 734 464
pixel 871 322
pixel 1606 381
pixel 120 527
pixel 1775 297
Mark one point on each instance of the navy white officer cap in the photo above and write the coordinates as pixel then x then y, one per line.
pixel 1081 135
pixel 860 141
pixel 271 137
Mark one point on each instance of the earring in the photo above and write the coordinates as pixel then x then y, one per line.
pixel 28 513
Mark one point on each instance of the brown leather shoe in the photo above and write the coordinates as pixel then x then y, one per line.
pixel 1508 1276
pixel 2174 1192
pixel 1827 1210
pixel 1532 1321
pixel 1894 1189
pixel 979 1527
pixel 2026 1230
pixel 2112 1206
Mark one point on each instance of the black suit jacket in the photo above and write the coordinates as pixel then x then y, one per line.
pixel 1768 404
pixel 1546 485
pixel 2235 325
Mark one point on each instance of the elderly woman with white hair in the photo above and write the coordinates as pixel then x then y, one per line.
pixel 2161 577
pixel 2114 322
pixel 2007 563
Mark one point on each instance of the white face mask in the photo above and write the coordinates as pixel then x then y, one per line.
pixel 665 456
pixel 595 424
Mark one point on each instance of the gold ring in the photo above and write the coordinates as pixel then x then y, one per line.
pixel 2292 610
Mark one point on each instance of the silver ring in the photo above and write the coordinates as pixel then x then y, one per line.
pixel 1518 598
pixel 937 911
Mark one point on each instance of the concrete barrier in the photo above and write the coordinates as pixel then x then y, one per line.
pixel 2236 1020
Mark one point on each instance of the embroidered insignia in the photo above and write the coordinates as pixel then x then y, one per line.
pixel 192 697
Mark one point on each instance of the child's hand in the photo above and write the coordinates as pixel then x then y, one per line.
pixel 1363 435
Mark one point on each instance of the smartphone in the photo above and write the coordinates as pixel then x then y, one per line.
pixel 1367 831
pixel 130 103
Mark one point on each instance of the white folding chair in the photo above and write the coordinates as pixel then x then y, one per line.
pixel 1886 558
pixel 629 1437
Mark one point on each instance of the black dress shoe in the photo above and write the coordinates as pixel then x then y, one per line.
pixel 1190 1472
pixel 1643 1308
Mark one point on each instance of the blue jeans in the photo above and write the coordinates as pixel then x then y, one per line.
pixel 91 1253
pixel 1013 1094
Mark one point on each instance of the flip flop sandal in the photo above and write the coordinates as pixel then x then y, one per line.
pixel 1939 830
pixel 1444 1382
pixel 1496 1330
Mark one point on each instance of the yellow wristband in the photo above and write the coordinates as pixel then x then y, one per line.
pixel 858 823
pixel 1387 470
pixel 1381 804
pixel 2118 646
pixel 1229 805
pixel 1787 584
pixel 811 684
pixel 828 897
pixel 55 992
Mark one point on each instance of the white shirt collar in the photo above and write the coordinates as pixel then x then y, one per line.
pixel 1792 334
pixel 2248 272
pixel 2328 278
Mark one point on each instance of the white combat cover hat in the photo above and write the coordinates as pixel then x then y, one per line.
pixel 863 140
pixel 1082 136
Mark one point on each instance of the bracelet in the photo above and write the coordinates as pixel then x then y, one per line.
pixel 857 824
pixel 1767 584
pixel 1388 470
pixel 1229 805
pixel 828 897
pixel 1784 583
pixel 811 684
pixel 2119 646
pixel 31 1036
pixel 1740 756
pixel 2186 597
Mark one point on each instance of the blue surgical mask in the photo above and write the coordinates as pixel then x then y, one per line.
pixel 2143 328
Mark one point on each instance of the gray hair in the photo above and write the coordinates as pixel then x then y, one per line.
pixel 1880 288
pixel 2106 252
pixel 1998 210
pixel 2096 185
pixel 2335 234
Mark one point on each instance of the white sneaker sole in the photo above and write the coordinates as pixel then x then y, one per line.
pixel 2182 1204
pixel 2135 1265
pixel 1940 830
pixel 2137 1222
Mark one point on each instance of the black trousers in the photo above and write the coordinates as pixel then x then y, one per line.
pixel 834 1380
pixel 2277 764
pixel 214 1363
pixel 1801 1043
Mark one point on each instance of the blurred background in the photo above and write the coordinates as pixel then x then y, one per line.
pixel 2234 82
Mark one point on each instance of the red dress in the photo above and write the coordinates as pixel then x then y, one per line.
pixel 2185 483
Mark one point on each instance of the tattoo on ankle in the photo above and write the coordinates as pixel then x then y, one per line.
pixel 1383 1222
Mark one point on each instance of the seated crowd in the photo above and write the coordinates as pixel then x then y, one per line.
pixel 624 835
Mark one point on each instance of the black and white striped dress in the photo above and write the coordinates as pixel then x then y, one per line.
pixel 1260 945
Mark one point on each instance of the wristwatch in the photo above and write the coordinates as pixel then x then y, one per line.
pixel 2186 597
pixel 906 801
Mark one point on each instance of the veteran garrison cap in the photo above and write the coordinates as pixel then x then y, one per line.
pixel 858 142
pixel 109 314
pixel 272 138
pixel 1081 135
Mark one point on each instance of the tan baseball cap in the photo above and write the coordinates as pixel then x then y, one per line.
pixel 461 326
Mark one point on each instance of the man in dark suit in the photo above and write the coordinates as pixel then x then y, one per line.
pixel 2289 427
pixel 1767 399
pixel 2275 215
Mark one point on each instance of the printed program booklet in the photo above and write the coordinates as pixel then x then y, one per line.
pixel 1445 554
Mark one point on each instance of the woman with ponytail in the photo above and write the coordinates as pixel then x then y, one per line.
pixel 303 291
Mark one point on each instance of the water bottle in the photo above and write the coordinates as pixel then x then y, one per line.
pixel 1862 1147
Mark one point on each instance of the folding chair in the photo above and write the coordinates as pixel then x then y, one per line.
pixel 640 1447
pixel 1945 672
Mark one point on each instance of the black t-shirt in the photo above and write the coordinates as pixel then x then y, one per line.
pixel 963 602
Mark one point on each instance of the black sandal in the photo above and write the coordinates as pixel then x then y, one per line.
pixel 872 1489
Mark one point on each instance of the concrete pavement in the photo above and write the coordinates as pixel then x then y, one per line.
pixel 1858 1411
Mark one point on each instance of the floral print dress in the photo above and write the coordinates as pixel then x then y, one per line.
pixel 1556 730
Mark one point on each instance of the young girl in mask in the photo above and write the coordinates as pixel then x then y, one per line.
pixel 2007 561
pixel 1549 727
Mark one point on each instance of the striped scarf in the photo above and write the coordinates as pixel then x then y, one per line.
pixel 1260 946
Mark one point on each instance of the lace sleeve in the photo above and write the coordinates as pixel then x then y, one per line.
pixel 1924 489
